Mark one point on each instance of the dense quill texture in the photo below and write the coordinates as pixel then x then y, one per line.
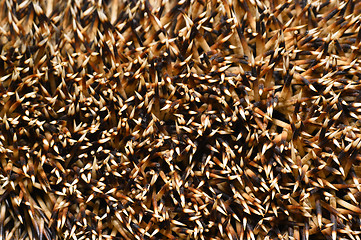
pixel 180 119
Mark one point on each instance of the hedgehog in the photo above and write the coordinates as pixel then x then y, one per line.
pixel 192 119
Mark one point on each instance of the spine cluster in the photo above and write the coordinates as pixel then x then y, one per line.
pixel 192 119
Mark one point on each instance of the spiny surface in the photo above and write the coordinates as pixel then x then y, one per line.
pixel 180 119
